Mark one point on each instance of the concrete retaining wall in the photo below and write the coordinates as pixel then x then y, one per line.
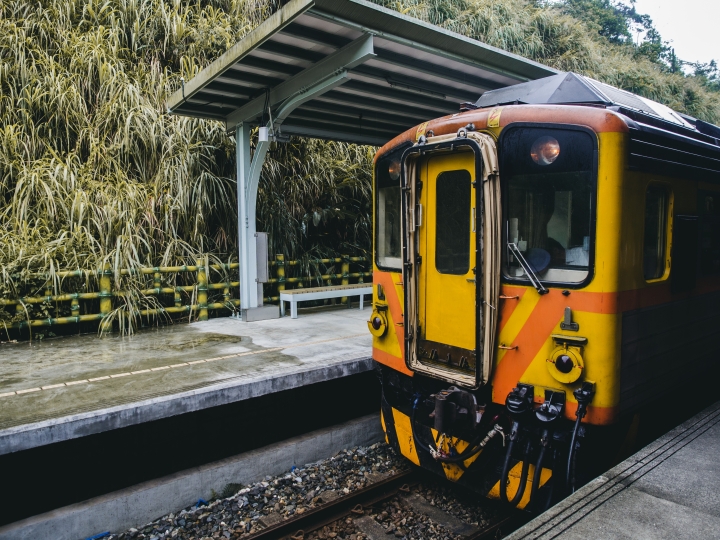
pixel 141 504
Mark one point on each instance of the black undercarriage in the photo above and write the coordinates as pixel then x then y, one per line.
pixel 519 452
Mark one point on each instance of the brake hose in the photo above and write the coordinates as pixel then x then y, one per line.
pixel 538 466
pixel 504 479
pixel 570 470
pixel 584 396
pixel 473 448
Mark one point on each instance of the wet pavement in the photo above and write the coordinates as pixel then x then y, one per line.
pixel 136 378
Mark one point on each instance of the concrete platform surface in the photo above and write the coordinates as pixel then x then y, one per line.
pixel 668 490
pixel 71 387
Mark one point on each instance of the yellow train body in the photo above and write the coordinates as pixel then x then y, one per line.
pixel 633 335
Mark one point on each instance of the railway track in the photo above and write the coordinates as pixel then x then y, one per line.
pixel 359 504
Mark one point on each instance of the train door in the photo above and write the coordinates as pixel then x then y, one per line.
pixel 447 310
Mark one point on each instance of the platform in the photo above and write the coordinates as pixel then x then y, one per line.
pixel 70 387
pixel 668 490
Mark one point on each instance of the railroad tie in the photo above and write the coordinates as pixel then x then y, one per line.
pixel 450 522
pixel 371 528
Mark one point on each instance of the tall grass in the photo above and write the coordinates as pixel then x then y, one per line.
pixel 540 30
pixel 93 170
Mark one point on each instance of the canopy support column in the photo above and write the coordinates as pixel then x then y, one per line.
pixel 329 74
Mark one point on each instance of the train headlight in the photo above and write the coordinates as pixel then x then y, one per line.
pixel 545 150
pixel 566 364
pixel 377 323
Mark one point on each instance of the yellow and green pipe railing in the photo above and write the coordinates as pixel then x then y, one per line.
pixel 196 294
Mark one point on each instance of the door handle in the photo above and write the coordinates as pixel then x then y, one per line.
pixel 471 280
pixel 474 219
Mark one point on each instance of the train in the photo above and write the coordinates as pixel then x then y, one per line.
pixel 546 263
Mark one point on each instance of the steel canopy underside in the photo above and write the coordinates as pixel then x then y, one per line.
pixel 405 72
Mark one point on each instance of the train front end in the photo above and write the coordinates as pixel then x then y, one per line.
pixel 492 347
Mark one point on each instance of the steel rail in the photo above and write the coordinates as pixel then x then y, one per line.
pixel 338 508
pixel 355 503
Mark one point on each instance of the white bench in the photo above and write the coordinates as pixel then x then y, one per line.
pixel 320 293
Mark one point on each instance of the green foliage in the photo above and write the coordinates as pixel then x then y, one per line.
pixel 608 19
pixel 93 169
pixel 545 31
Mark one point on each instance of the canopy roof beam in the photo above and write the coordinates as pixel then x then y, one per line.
pixel 353 54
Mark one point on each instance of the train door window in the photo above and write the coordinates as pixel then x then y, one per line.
pixel 388 243
pixel 452 244
pixel 709 211
pixel 656 227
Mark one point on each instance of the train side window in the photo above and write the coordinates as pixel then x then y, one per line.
pixel 452 242
pixel 709 211
pixel 388 244
pixel 657 202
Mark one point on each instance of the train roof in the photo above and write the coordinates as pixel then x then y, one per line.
pixel 572 89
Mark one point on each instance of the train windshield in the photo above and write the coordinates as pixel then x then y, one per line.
pixel 548 177
pixel 388 244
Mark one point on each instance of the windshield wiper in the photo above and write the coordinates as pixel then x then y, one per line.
pixel 528 269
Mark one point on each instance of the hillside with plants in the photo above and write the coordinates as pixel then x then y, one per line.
pixel 93 170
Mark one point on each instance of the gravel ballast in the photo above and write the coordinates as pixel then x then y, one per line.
pixel 241 511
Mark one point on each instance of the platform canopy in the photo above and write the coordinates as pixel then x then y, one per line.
pixel 376 72
pixel 345 70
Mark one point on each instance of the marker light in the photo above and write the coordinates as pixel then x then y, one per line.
pixel 394 169
pixel 377 323
pixel 564 364
pixel 545 150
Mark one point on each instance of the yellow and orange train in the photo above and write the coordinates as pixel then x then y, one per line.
pixel 545 261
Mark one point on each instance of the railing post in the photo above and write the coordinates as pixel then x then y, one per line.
pixel 345 268
pixel 157 282
pixel 75 306
pixel 48 294
pixel 202 288
pixel 105 295
pixel 280 272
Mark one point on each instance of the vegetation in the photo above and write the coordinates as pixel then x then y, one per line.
pixel 591 37
pixel 93 170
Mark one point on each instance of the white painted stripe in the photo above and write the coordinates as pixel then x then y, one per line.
pixel 183 364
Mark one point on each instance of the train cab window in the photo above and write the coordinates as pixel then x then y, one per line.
pixel 549 181
pixel 655 240
pixel 388 243
pixel 452 243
